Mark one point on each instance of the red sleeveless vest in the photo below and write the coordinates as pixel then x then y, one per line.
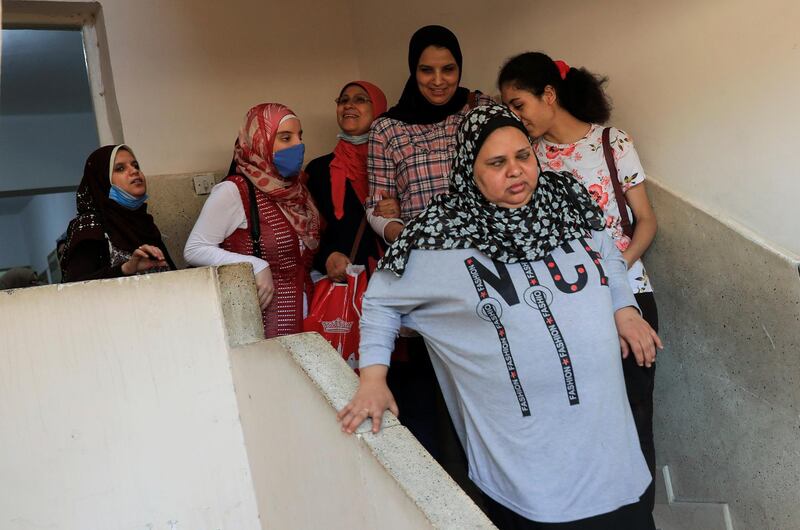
pixel 280 247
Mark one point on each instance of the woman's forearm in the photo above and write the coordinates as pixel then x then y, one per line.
pixel 643 236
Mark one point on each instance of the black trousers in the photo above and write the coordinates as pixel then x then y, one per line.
pixel 640 383
pixel 630 517
pixel 416 389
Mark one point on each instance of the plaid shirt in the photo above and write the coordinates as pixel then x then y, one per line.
pixel 412 162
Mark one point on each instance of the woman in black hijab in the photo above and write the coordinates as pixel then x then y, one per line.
pixel 113 235
pixel 418 104
pixel 411 146
pixel 411 150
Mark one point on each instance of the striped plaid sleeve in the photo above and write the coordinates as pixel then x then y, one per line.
pixel 380 166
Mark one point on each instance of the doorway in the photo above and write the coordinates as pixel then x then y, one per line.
pixel 57 105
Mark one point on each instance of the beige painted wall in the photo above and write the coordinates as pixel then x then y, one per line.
pixel 706 88
pixel 186 71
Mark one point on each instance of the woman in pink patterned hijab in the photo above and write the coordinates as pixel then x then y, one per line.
pixel 254 155
pixel 262 213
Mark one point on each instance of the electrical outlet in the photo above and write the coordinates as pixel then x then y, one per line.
pixel 203 183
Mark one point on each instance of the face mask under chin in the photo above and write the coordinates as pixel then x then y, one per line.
pixel 125 199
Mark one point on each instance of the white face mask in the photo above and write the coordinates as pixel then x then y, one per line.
pixel 355 140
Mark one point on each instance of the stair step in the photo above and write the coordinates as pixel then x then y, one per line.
pixel 672 514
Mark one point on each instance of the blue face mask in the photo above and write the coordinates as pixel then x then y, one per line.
pixel 123 198
pixel 289 161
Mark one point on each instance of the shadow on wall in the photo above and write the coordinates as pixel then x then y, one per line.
pixel 727 390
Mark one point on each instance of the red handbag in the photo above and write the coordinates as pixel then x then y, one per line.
pixel 336 307
pixel 336 310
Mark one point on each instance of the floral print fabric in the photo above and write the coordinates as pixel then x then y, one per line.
pixel 585 161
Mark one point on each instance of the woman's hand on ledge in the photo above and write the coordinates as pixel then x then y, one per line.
pixel 142 259
pixel 371 400
pixel 636 336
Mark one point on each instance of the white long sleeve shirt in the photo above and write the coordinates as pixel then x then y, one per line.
pixel 221 215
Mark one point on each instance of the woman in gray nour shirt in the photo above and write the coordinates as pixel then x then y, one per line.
pixel 523 302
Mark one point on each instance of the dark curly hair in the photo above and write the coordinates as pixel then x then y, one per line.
pixel 580 92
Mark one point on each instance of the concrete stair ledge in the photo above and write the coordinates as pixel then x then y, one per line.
pixel 418 475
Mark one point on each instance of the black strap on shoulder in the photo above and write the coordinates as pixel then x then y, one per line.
pixel 472 100
pixel 357 241
pixel 255 219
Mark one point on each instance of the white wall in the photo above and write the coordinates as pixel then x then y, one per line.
pixel 202 425
pixel 45 218
pixel 101 431
pixel 13 248
pixel 706 88
pixel 44 150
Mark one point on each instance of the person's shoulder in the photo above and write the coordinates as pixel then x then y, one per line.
pixel 424 257
pixel 617 137
pixel 600 241
pixel 421 265
pixel 319 166
pixel 384 123
pixel 228 186
pixel 388 131
pixel 87 223
pixel 482 99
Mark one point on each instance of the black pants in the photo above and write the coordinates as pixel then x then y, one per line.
pixel 630 517
pixel 416 389
pixel 423 411
pixel 640 383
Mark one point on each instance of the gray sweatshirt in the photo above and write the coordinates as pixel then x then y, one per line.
pixel 528 359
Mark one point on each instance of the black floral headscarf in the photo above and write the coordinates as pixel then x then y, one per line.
pixel 559 211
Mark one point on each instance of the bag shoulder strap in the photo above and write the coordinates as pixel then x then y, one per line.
pixel 622 204
pixel 357 242
pixel 255 219
pixel 472 100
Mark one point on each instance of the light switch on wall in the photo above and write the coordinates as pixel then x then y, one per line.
pixel 203 183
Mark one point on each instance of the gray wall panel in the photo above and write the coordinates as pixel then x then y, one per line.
pixel 727 394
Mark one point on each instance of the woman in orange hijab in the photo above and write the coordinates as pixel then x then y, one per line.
pixel 339 185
